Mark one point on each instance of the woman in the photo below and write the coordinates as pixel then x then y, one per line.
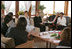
pixel 61 22
pixel 11 14
pixel 27 17
pixel 19 33
pixel 5 24
pixel 29 27
pixel 38 22
pixel 53 20
pixel 65 37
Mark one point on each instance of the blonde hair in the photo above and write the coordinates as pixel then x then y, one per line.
pixel 66 34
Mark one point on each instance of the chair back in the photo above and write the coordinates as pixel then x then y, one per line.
pixel 67 20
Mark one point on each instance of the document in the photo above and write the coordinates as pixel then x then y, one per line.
pixel 45 36
pixel 56 41
pixel 49 22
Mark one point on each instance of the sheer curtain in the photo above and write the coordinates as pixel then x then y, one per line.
pixel 7 5
pixel 27 5
pixel 29 27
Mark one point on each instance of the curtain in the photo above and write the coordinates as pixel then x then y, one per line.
pixel 27 5
pixel 7 5
pixel 29 27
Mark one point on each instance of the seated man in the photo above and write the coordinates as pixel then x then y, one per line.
pixel 38 22
pixel 61 22
pixel 7 24
pixel 53 20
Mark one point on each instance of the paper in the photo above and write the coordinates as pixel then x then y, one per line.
pixel 49 22
pixel 50 31
pixel 56 41
pixel 46 36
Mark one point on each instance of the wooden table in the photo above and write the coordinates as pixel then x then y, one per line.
pixel 48 41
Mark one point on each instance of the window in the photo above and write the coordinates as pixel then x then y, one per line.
pixel 21 6
pixel 69 9
pixel 59 6
pixel 11 6
pixel 48 5
pixel 33 7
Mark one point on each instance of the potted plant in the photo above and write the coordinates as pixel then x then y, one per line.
pixel 21 14
pixel 41 8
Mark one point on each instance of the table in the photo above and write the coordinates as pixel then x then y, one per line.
pixel 47 40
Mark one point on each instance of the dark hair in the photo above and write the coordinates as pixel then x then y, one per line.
pixel 21 23
pixel 26 12
pixel 62 13
pixel 36 13
pixel 7 19
pixel 10 14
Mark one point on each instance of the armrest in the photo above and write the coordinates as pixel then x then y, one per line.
pixel 9 42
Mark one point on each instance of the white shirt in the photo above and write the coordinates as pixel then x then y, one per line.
pixel 62 21
pixel 28 21
pixel 29 27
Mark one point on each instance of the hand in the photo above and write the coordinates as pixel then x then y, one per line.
pixel 41 23
pixel 59 24
pixel 29 36
pixel 52 21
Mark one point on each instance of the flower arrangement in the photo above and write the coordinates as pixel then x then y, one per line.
pixel 54 12
pixel 20 13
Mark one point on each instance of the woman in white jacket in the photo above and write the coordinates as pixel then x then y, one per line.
pixel 29 27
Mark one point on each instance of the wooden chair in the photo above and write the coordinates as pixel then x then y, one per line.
pixel 28 44
pixel 9 42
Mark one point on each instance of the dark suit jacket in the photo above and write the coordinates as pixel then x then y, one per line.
pixel 37 21
pixel 51 18
pixel 4 28
pixel 20 36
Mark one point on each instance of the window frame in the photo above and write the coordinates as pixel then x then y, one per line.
pixel 38 2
